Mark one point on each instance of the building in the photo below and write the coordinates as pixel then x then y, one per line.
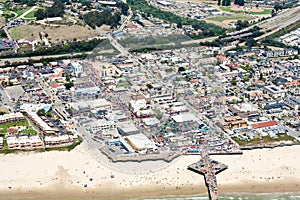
pixel 1 142
pixel 43 126
pixel 293 103
pixel 128 129
pixel 163 99
pixel 137 105
pixel 233 122
pixel 264 124
pixel 244 110
pixel 25 142
pixel 12 117
pixel 275 91
pixel 60 140
pixel 76 68
pixel 101 125
pixel 140 142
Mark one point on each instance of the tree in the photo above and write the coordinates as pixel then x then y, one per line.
pixel 40 14
pixel 251 42
pixel 239 2
pixel 226 3
pixel 273 13
pixel 219 2
pixel 123 7
pixel 56 10
pixel 241 24
pixel 179 25
pixel 69 85
pixel 277 7
pixel 41 112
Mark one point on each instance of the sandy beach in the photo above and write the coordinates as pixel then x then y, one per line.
pixel 64 174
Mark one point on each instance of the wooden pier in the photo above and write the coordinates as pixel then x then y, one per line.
pixel 209 169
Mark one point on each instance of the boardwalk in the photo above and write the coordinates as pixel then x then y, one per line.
pixel 208 168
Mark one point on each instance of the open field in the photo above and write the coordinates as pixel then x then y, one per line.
pixel 224 21
pixel 252 11
pixel 223 18
pixel 57 33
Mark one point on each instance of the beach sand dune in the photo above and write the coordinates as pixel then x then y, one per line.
pixel 78 174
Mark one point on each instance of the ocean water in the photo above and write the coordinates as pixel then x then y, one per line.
pixel 235 196
pixel 231 196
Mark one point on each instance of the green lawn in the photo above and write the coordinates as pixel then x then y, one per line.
pixel 223 18
pixel 123 84
pixel 31 14
pixel 29 131
pixel 3 127
pixel 228 9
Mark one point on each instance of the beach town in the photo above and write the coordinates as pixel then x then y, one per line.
pixel 154 102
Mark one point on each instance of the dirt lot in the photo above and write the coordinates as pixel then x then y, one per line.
pixel 2 21
pixel 55 33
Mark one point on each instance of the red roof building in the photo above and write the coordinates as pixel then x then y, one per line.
pixel 264 124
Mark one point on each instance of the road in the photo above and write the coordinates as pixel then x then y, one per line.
pixel 280 22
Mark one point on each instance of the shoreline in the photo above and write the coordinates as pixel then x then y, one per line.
pixel 56 175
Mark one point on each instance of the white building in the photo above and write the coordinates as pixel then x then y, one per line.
pixel 101 125
pixel 24 142
pixel 76 68
pixel 138 105
pixel 275 91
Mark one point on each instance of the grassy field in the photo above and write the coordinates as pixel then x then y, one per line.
pixel 31 14
pixel 228 9
pixel 19 33
pixel 223 18
pixel 57 33
pixel 3 127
